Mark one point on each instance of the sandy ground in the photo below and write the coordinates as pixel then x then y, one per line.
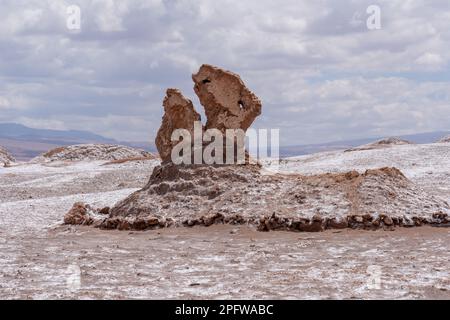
pixel 40 258
pixel 226 263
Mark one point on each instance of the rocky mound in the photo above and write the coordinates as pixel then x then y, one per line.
pixel 380 144
pixel 188 195
pixel 84 152
pixel 445 139
pixel 5 157
pixel 206 195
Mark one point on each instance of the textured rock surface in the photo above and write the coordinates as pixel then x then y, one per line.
pixel 206 195
pixel 445 139
pixel 179 113
pixel 5 157
pixel 92 152
pixel 78 215
pixel 381 144
pixel 228 103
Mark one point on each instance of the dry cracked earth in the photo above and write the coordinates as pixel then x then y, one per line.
pixel 42 259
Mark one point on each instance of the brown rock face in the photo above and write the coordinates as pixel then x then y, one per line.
pixel 179 114
pixel 78 215
pixel 228 104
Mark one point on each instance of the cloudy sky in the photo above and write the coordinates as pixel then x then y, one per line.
pixel 321 73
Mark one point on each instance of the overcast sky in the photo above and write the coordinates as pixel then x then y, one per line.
pixel 321 73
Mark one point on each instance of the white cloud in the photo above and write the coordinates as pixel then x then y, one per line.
pixel 109 15
pixel 4 103
pixel 430 59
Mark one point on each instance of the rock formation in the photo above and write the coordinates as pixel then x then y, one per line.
pixel 381 144
pixel 5 157
pixel 206 195
pixel 445 139
pixel 79 215
pixel 179 113
pixel 201 194
pixel 228 104
pixel 92 152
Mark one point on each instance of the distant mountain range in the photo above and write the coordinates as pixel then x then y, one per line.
pixel 420 138
pixel 21 132
pixel 25 143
